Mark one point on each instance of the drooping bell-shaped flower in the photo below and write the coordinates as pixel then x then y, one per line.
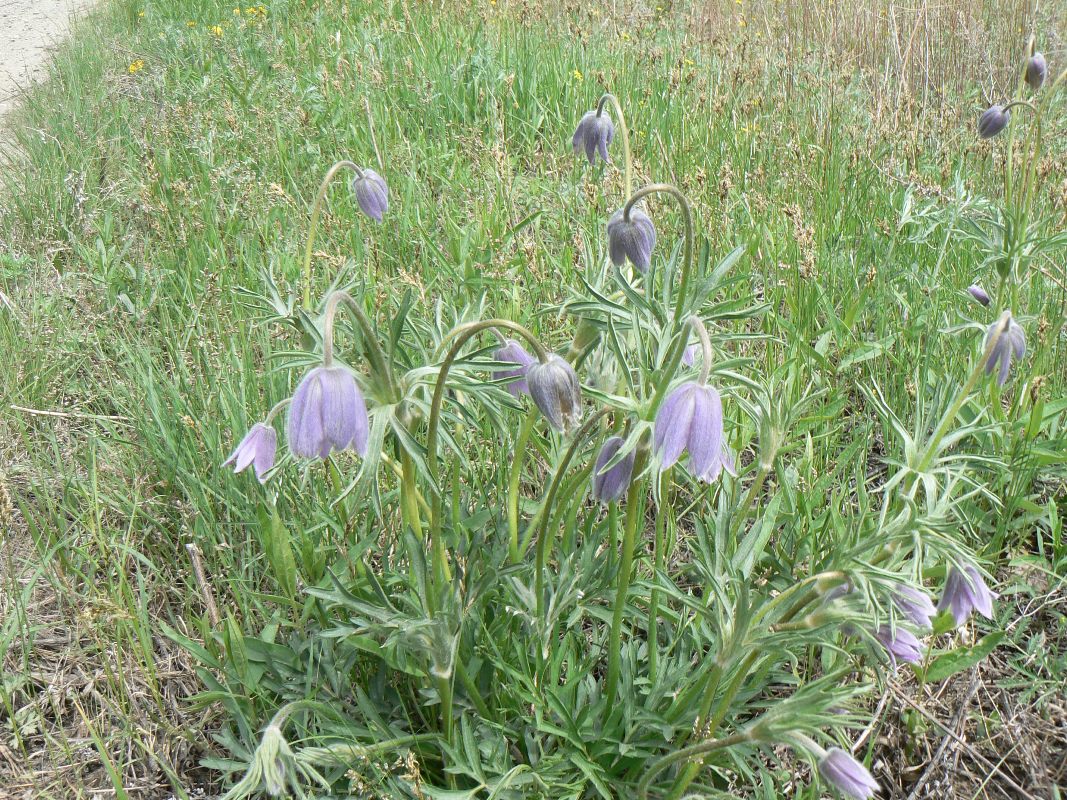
pixel 632 239
pixel 978 293
pixel 725 462
pixel 839 769
pixel 966 592
pixel 372 194
pixel 512 352
pixel 257 448
pixel 1010 346
pixel 593 135
pixel 914 604
pixel 1036 71
pixel 554 387
pixel 689 355
pixel 900 644
pixel 611 483
pixel 993 120
pixel 690 419
pixel 327 413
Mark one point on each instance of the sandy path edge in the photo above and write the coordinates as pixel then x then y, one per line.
pixel 28 30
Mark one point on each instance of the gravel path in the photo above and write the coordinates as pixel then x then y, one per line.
pixel 28 28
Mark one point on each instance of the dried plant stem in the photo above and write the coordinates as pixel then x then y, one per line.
pixel 196 558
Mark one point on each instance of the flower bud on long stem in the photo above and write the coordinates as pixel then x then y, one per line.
pixel 316 211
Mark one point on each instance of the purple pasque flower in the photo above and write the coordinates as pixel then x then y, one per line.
pixel 690 419
pixel 554 387
pixel 725 461
pixel 514 353
pixel 978 293
pixel 372 194
pixel 593 135
pixel 611 483
pixel 327 413
pixel 914 604
pixel 966 591
pixel 689 355
pixel 839 769
pixel 1036 71
pixel 1011 345
pixel 993 120
pixel 632 238
pixel 901 644
pixel 257 448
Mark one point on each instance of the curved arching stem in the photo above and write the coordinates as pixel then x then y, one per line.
pixel 961 398
pixel 550 498
pixel 379 362
pixel 276 409
pixel 316 211
pixel 627 158
pixel 461 334
pixel 687 217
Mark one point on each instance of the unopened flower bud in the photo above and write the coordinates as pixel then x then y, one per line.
pixel 993 120
pixel 593 135
pixel 632 239
pixel 847 775
pixel 611 483
pixel 978 293
pixel 1010 346
pixel 372 194
pixel 555 390
pixel 1036 71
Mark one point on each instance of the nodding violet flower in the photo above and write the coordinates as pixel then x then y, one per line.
pixel 554 387
pixel 593 135
pixel 610 484
pixel 724 462
pixel 632 238
pixel 372 194
pixel 690 419
pixel 689 355
pixel 993 120
pixel 257 448
pixel 900 644
pixel 839 769
pixel 1036 71
pixel 914 604
pixel 327 413
pixel 978 293
pixel 513 352
pixel 1011 345
pixel 966 592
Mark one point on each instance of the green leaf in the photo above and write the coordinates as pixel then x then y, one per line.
pixel 961 658
pixel 278 547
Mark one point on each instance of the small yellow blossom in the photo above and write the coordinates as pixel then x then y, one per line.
pixel 237 11
pixel 140 14
pixel 191 23
pixel 577 73
pixel 624 36
pixel 216 30
pixel 688 62
pixel 136 66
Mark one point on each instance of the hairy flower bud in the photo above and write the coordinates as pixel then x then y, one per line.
pixel 993 120
pixel 966 592
pixel 689 355
pixel 847 775
pixel 978 293
pixel 327 413
pixel 900 644
pixel 1011 345
pixel 611 483
pixel 593 135
pixel 631 239
pixel 513 352
pixel 555 389
pixel 1036 71
pixel 256 448
pixel 690 419
pixel 372 194
pixel 914 604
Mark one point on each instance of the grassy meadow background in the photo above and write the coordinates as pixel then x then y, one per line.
pixel 169 163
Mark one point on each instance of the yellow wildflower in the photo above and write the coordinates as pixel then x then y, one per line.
pixel 216 30
pixel 577 73
pixel 191 23
pixel 237 11
pixel 136 66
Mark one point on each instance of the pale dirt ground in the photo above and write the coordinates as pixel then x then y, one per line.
pixel 28 30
